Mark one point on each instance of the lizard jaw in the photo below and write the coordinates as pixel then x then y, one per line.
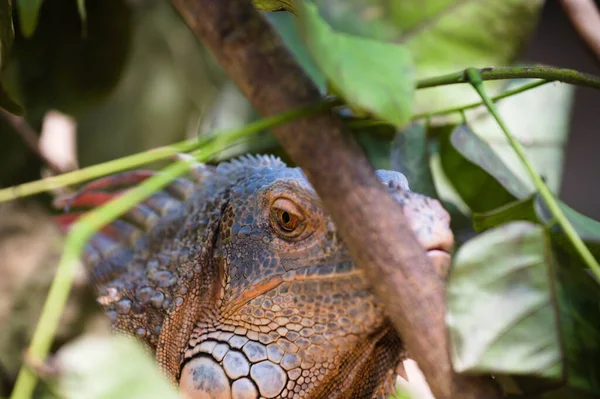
pixel 441 260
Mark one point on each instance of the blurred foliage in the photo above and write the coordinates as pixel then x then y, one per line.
pixel 410 156
pixel 275 5
pixel 7 36
pixel 501 279
pixel 521 303
pixel 544 139
pixel 60 68
pixel 460 149
pixel 106 367
pixel 374 77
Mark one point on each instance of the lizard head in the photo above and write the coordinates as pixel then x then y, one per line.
pixel 296 317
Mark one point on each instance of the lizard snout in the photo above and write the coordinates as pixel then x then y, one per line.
pixel 431 224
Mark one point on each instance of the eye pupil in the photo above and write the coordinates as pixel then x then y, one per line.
pixel 287 218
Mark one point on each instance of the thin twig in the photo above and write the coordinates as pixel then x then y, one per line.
pixel 585 18
pixel 30 138
pixel 364 123
pixel 539 72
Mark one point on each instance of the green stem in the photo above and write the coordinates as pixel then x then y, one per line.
pixel 498 97
pixel 87 226
pixel 547 73
pixel 137 160
pixel 473 76
pixel 92 172
pixel 370 122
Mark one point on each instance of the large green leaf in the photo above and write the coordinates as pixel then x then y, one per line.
pixel 500 311
pixel 445 36
pixel 109 367
pixel 475 171
pixel 577 293
pixel 372 76
pixel 535 210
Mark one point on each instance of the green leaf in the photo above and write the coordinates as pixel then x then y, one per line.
pixel 533 209
pixel 58 68
pixel 475 171
pixel 365 18
pixel 109 367
pixel 445 36
pixel 275 5
pixel 7 32
pixel 372 76
pixel 29 12
pixel 543 138
pixel 579 306
pixel 410 156
pixel 287 27
pixel 500 312
pixel 376 146
pixel 7 103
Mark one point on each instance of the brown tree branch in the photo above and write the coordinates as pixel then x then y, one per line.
pixel 369 219
pixel 585 18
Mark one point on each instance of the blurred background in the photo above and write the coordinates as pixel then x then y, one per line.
pixel 555 42
pixel 140 79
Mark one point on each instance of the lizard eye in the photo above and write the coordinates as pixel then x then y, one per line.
pixel 287 217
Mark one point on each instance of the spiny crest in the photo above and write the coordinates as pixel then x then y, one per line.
pixel 237 167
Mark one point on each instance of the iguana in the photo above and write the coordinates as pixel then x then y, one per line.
pixel 236 278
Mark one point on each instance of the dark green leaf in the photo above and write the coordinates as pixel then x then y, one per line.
pixel 523 210
pixel 588 229
pixel 377 149
pixel 533 209
pixel 410 156
pixel 500 311
pixel 579 306
pixel 29 12
pixel 287 27
pixel 372 76
pixel 7 103
pixel 61 69
pixel 475 171
pixel 7 32
pixel 275 5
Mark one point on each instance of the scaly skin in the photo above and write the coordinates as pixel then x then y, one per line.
pixel 238 281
